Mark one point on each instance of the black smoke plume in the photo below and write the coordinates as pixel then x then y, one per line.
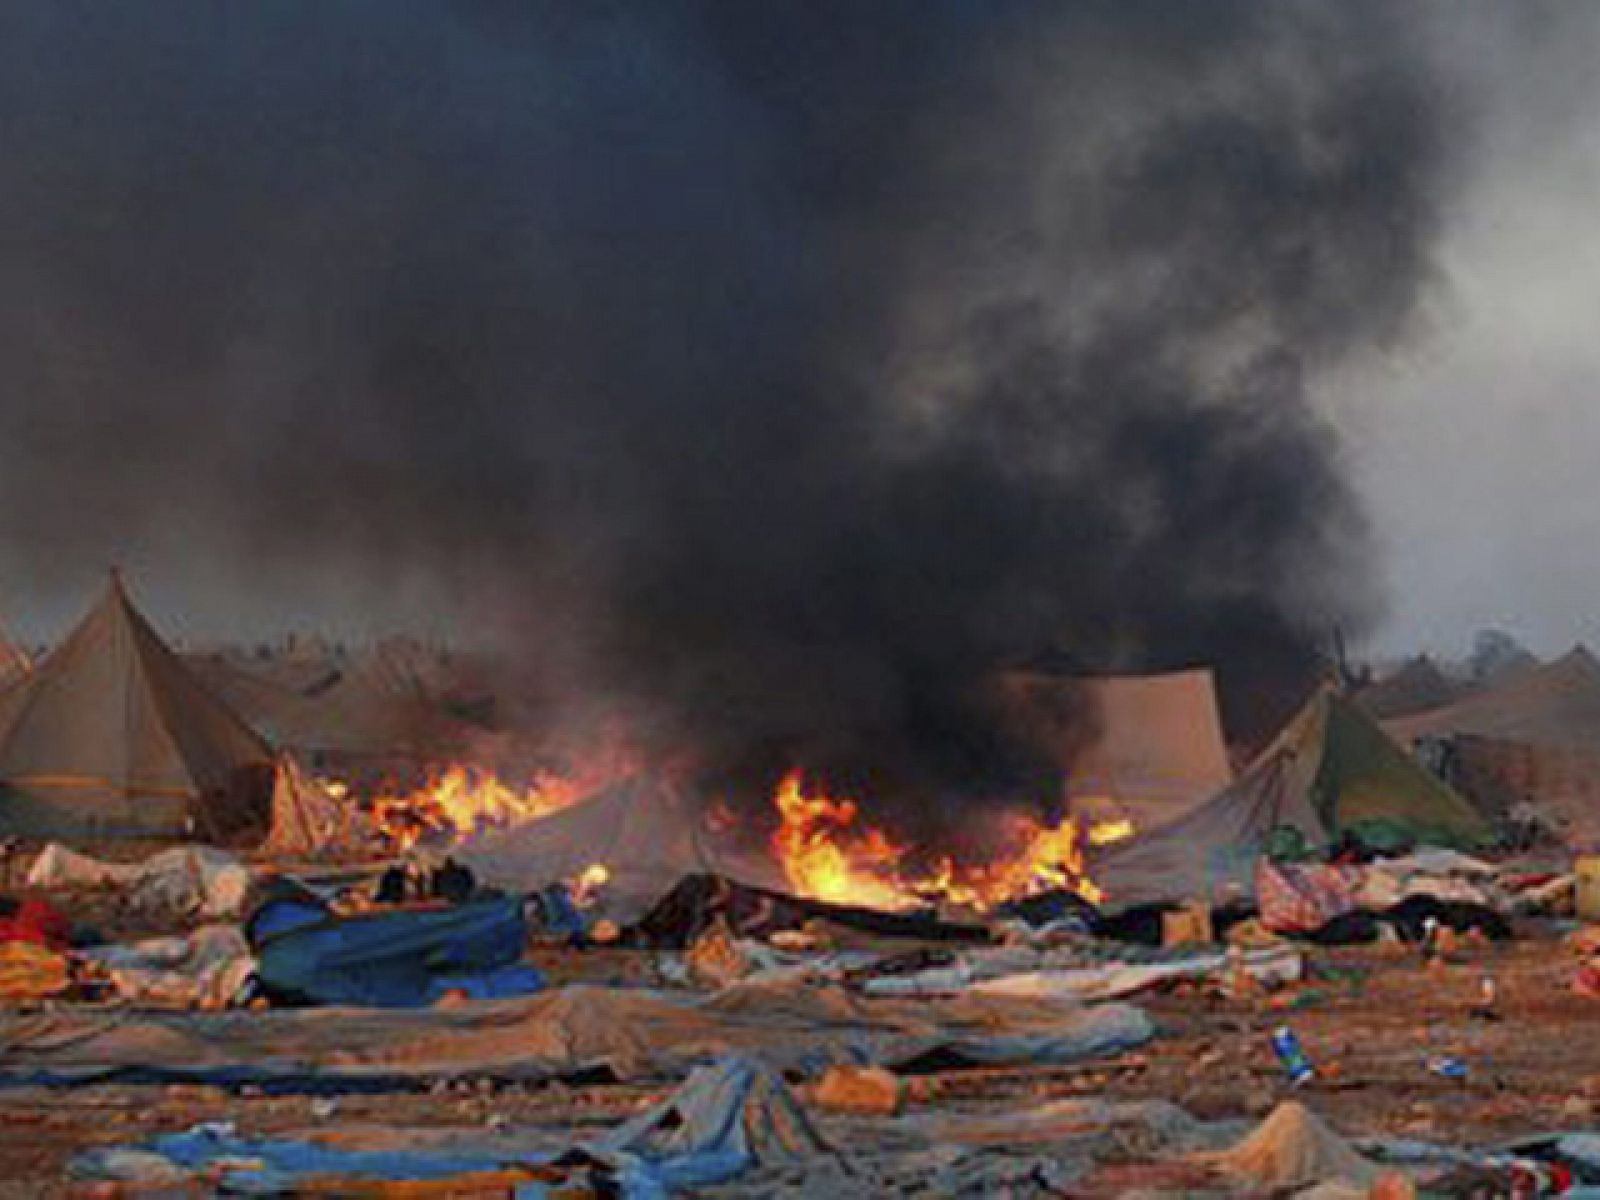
pixel 767 373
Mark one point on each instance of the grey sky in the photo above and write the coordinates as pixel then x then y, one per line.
pixel 1477 445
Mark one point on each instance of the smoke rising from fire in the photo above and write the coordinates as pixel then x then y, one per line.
pixel 769 372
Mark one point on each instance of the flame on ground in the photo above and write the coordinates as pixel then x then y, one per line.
pixel 826 855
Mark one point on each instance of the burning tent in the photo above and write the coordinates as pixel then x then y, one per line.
pixel 1157 749
pixel 1330 771
pixel 112 736
pixel 644 832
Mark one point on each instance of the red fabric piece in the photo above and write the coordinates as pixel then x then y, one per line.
pixel 1300 899
pixel 39 922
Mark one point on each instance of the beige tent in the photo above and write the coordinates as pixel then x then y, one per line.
pixel 1418 686
pixel 1534 739
pixel 14 660
pixel 111 736
pixel 1557 704
pixel 378 706
pixel 1145 748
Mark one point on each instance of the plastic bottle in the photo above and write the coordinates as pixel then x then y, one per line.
pixel 1292 1055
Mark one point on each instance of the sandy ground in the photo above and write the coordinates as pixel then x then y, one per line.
pixel 1369 1019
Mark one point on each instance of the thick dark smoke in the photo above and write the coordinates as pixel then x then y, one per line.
pixel 770 372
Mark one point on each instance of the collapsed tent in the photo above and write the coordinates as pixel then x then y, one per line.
pixel 645 832
pixel 112 736
pixel 1531 739
pixel 627 1032
pixel 1155 747
pixel 309 821
pixel 1331 771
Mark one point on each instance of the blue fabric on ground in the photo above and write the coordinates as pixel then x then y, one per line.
pixel 283 1164
pixel 276 917
pixel 397 959
pixel 500 983
pixel 721 1121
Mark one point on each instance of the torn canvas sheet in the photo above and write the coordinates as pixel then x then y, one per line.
pixel 631 1033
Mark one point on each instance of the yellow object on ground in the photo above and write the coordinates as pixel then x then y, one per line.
pixel 31 972
pixel 1586 901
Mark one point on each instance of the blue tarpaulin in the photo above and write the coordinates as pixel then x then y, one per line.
pixel 401 959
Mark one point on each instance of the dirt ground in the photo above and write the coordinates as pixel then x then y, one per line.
pixel 1370 1018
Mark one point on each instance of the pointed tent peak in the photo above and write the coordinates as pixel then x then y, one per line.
pixel 1417 685
pixel 1579 660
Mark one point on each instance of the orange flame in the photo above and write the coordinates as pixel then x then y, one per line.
pixel 827 856
pixel 587 886
pixel 463 801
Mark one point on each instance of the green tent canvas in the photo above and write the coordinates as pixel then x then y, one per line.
pixel 1330 771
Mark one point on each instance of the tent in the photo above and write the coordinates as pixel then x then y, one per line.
pixel 1532 739
pixel 1332 769
pixel 1555 704
pixel 1145 748
pixel 645 832
pixel 14 660
pixel 111 736
pixel 1417 686
pixel 309 821
pixel 383 705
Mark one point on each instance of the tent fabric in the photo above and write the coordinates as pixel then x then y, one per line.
pixel 384 704
pixel 1419 686
pixel 725 1119
pixel 633 1033
pixel 645 832
pixel 1331 770
pixel 112 736
pixel 401 959
pixel 1156 748
pixel 296 1167
pixel 1532 739
pixel 14 660
pixel 309 821
pixel 1557 704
